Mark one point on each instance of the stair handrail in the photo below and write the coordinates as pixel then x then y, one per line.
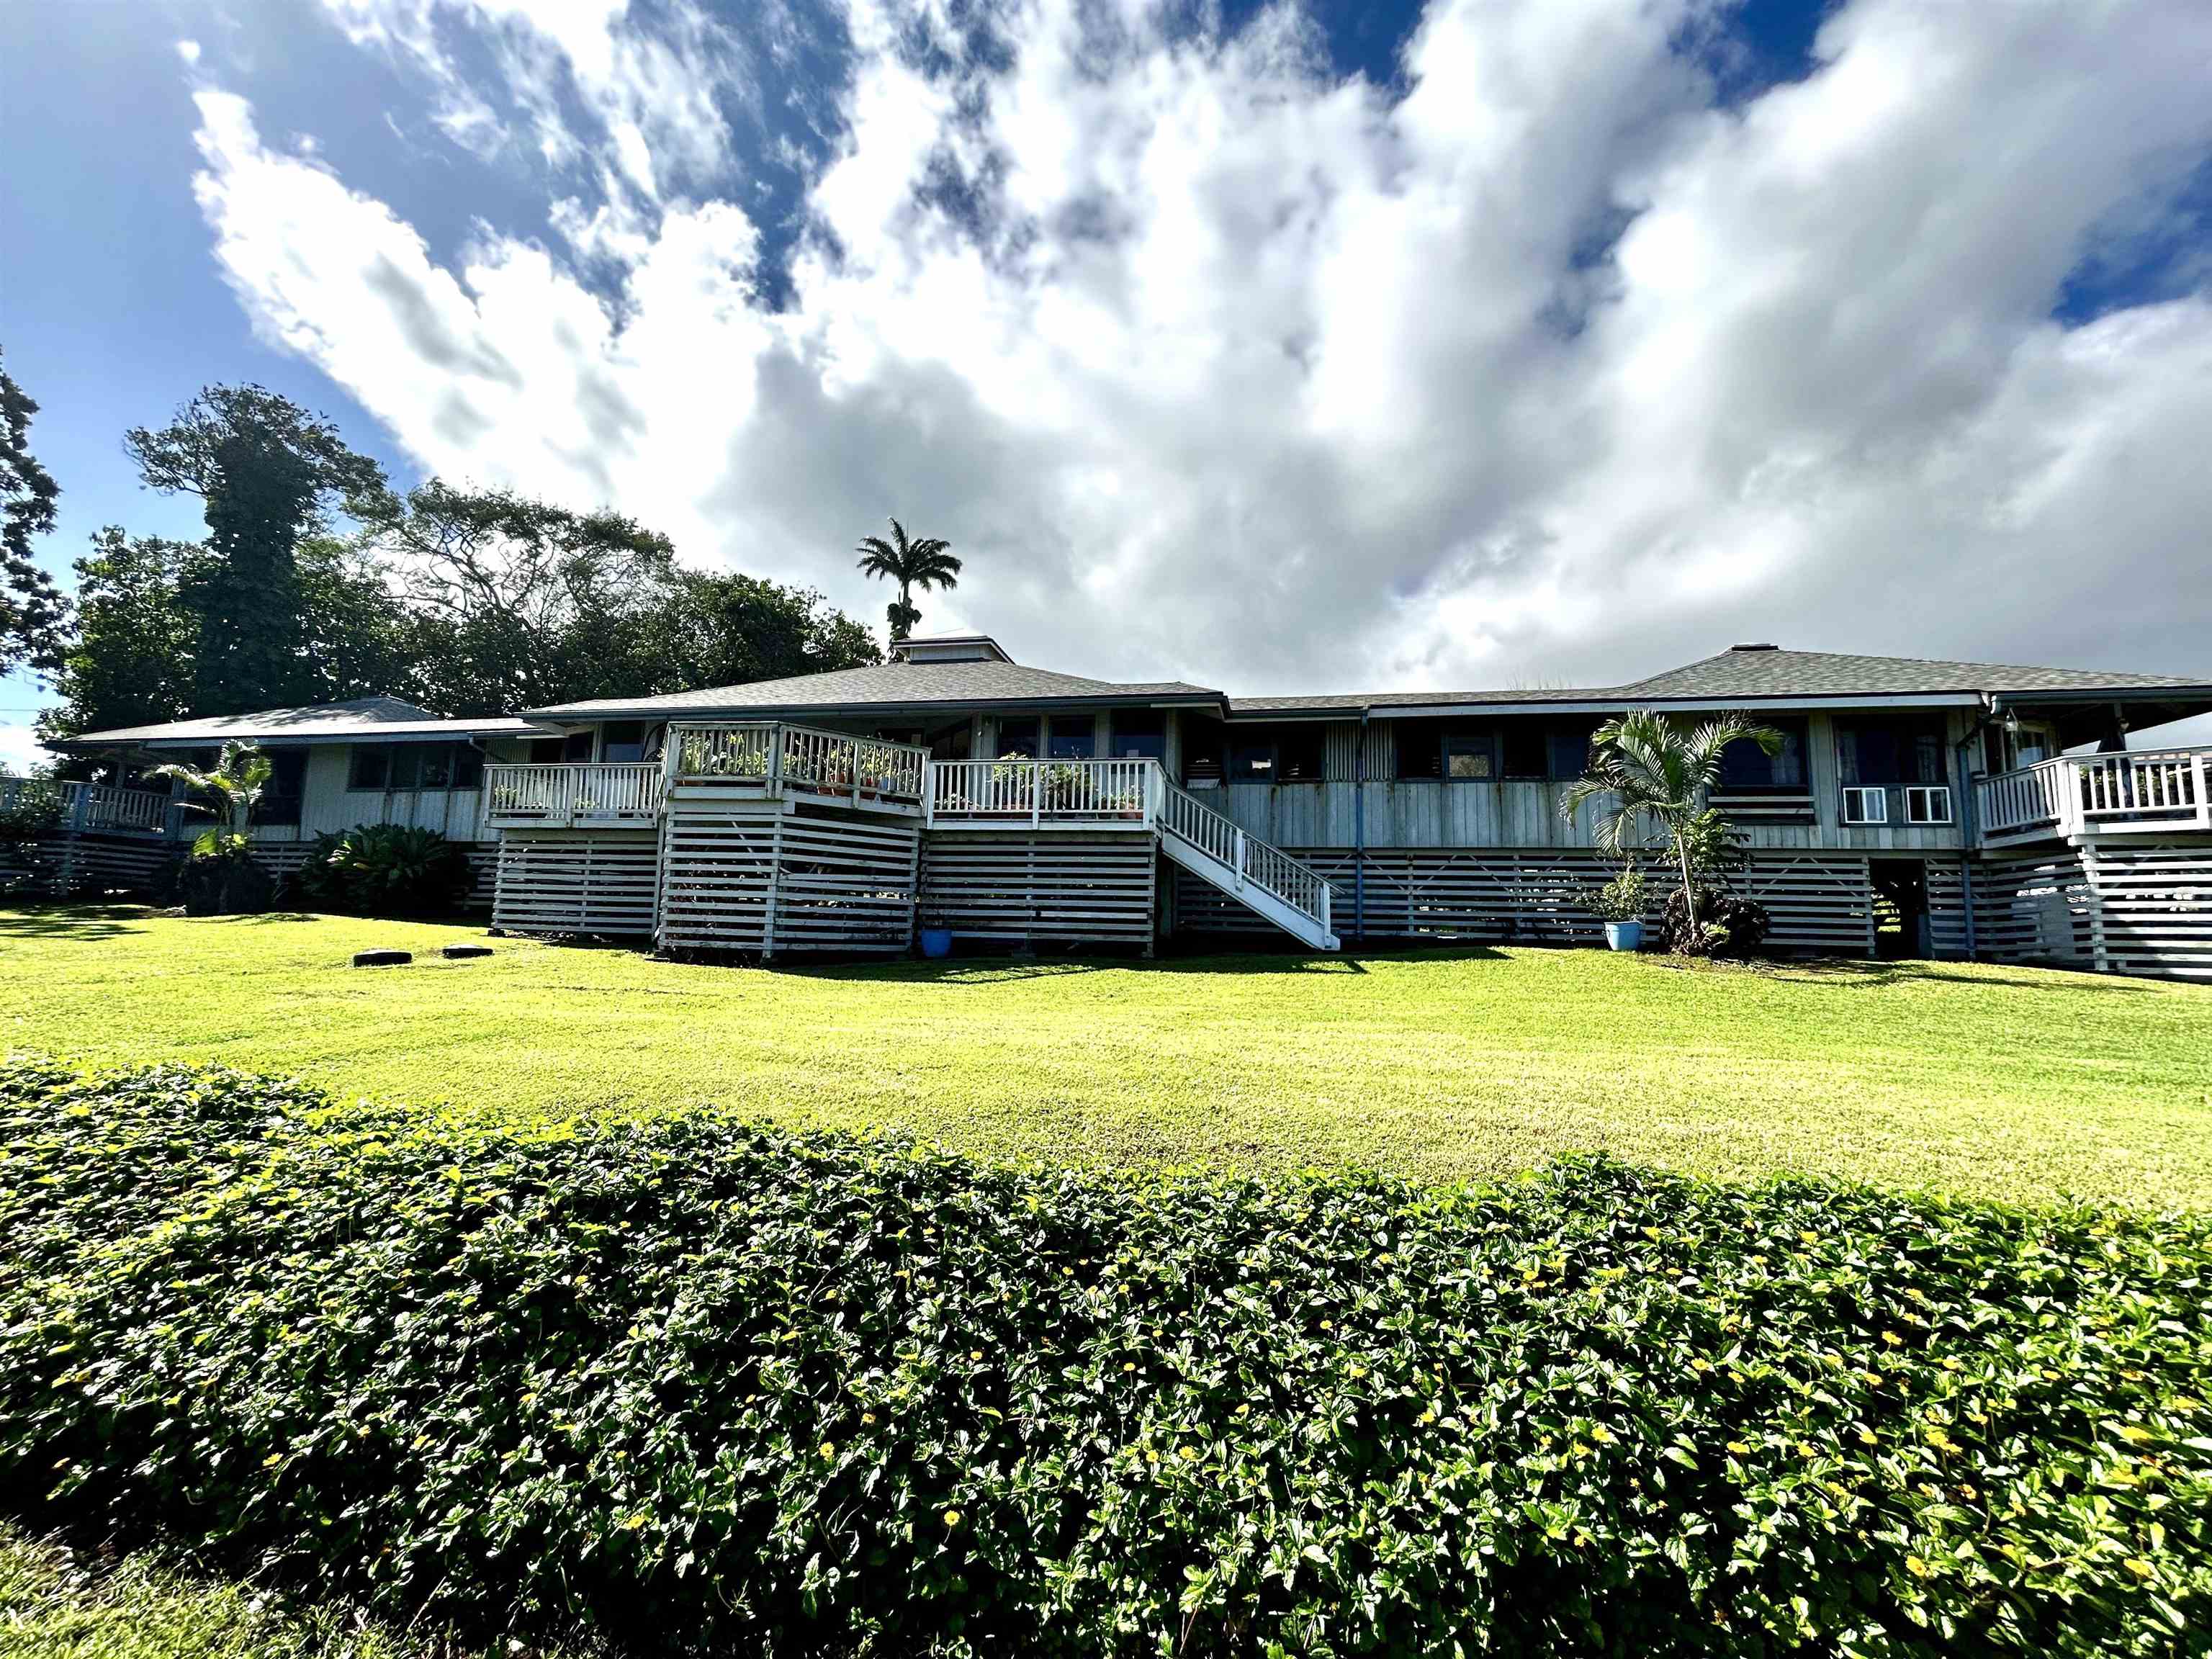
pixel 1258 863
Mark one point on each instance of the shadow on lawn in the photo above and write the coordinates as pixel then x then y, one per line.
pixel 82 921
pixel 1857 972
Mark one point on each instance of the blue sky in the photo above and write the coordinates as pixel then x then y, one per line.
pixel 1465 344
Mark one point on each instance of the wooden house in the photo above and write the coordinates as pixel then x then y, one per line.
pixel 1925 807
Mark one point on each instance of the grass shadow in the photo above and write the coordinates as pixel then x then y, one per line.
pixel 77 921
pixel 1859 973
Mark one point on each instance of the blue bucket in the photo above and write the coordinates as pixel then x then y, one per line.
pixel 937 941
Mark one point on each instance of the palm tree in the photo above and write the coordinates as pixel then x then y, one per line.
pixel 1658 772
pixel 924 563
pixel 237 781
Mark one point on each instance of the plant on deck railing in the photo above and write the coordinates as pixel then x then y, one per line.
pixel 722 755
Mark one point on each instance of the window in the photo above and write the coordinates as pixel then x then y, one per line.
pixel 1890 752
pixel 280 798
pixel 371 767
pixel 1074 737
pixel 622 741
pixel 1866 804
pixel 1420 749
pixel 1521 750
pixel 1569 743
pixel 576 746
pixel 379 767
pixel 1251 758
pixel 1927 803
pixel 1018 737
pixel 1276 754
pixel 548 752
pixel 1138 734
pixel 1745 765
pixel 1470 754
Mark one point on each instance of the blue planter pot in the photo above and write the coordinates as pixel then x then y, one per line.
pixel 937 941
pixel 1624 935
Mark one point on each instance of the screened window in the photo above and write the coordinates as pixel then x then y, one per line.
pixel 415 766
pixel 1251 758
pixel 1138 734
pixel 1521 750
pixel 1018 738
pixel 1570 745
pixel 1887 753
pixel 1074 737
pixel 1420 749
pixel 622 741
pixel 280 797
pixel 1747 766
pixel 1276 754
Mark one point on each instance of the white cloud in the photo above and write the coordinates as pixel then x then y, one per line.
pixel 189 51
pixel 1250 375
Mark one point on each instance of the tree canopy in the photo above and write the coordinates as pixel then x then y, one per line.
pixel 925 562
pixel 33 613
pixel 268 472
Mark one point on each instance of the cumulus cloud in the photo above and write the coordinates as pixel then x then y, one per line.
pixel 1546 362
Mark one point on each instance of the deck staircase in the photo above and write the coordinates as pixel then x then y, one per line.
pixel 1262 878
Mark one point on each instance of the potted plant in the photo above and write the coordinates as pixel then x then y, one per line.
pixel 1620 905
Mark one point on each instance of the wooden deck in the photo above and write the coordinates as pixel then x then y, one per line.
pixel 2070 797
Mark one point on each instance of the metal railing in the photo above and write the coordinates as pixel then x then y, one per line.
pixel 573 792
pixel 2140 791
pixel 1044 791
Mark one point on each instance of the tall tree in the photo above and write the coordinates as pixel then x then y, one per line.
pixel 269 472
pixel 129 661
pixel 32 612
pixel 924 563
pixel 520 603
pixel 716 628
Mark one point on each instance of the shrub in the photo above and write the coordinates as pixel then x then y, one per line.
pixel 704 1386
pixel 1621 899
pixel 384 870
pixel 1729 925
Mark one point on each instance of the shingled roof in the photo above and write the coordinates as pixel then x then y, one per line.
pixel 891 685
pixel 1765 671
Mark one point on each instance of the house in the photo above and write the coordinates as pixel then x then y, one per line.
pixel 1926 807
pixel 1009 804
pixel 369 760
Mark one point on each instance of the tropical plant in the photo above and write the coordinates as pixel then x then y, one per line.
pixel 924 562
pixel 1649 773
pixel 237 782
pixel 1621 899
pixel 385 870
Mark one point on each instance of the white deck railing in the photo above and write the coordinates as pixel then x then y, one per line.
pixel 1259 862
pixel 82 807
pixel 1044 791
pixel 2139 792
pixel 573 792
pixel 803 758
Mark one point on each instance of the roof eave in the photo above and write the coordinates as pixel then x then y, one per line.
pixel 947 705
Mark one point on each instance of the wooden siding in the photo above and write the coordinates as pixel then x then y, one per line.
pixel 78 866
pixel 2123 906
pixel 1066 888
pixel 753 875
pixel 1818 901
pixel 327 807
pixel 586 881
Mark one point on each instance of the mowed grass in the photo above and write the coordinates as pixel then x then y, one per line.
pixel 1995 1082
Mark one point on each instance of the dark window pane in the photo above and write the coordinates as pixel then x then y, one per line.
pixel 1299 754
pixel 1570 746
pixel 468 767
pixel 406 766
pixel 280 797
pixel 622 741
pixel 1074 737
pixel 1522 749
pixel 1018 737
pixel 1745 765
pixel 371 768
pixel 577 746
pixel 547 752
pixel 1420 749
pixel 1251 759
pixel 1138 734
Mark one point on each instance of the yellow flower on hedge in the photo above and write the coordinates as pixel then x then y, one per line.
pixel 828 1450
pixel 952 1518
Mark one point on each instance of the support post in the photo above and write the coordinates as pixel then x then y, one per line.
pixel 2100 957
pixel 1240 860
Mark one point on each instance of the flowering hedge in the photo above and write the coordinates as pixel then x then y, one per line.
pixel 699 1385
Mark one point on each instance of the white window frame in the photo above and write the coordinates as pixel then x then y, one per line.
pixel 1858 798
pixel 1921 798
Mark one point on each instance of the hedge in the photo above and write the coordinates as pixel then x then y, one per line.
pixel 695 1385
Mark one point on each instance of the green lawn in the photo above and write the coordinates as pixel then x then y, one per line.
pixel 1992 1081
